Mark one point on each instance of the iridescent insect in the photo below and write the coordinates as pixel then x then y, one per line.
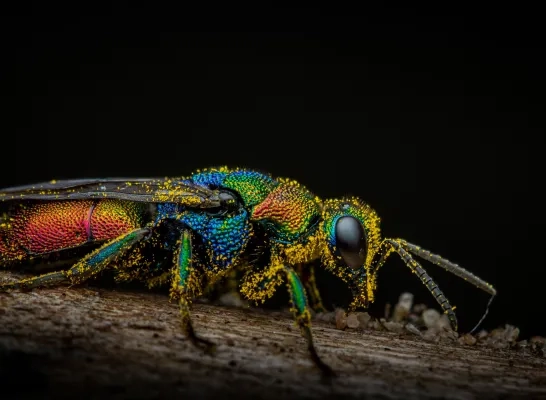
pixel 191 232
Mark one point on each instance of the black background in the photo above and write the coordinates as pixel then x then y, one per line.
pixel 433 116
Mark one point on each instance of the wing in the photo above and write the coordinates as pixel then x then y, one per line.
pixel 150 190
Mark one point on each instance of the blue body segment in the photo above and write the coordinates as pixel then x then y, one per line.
pixel 166 211
pixel 225 237
pixel 209 178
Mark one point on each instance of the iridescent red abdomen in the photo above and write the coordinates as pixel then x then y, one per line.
pixel 44 227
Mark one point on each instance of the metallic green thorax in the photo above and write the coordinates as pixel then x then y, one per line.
pixel 252 186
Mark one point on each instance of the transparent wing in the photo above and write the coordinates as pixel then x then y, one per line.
pixel 152 190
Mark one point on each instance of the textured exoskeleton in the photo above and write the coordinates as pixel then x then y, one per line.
pixel 190 232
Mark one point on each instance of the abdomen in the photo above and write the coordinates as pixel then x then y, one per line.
pixel 45 227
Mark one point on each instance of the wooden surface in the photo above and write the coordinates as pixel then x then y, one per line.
pixel 93 343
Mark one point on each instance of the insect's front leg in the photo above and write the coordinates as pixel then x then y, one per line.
pixel 261 285
pixel 307 275
pixel 185 283
pixel 87 267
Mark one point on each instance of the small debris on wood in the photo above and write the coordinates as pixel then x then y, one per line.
pixel 413 329
pixel 403 308
pixel 341 319
pixel 232 299
pixel 352 321
pixel 431 325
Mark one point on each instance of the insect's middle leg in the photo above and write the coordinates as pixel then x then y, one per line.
pixel 185 286
pixel 258 286
pixel 84 269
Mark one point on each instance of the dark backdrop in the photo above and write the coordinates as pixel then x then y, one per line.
pixel 435 117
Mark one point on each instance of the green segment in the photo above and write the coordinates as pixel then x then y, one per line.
pixel 114 248
pixel 297 291
pixel 253 187
pixel 184 258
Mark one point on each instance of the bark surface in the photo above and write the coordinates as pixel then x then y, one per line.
pixel 94 343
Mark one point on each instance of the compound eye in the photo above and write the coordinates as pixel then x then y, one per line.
pixel 228 201
pixel 351 241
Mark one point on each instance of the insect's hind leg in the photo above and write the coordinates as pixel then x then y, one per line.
pixel 184 286
pixel 84 269
pixel 258 286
